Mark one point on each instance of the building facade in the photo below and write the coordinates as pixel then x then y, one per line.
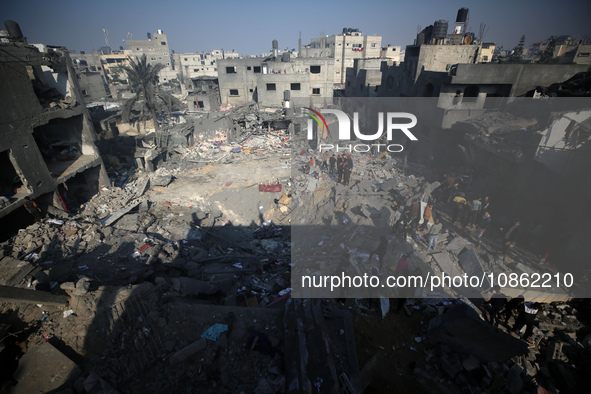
pixel 270 81
pixel 195 65
pixel 47 147
pixel 157 51
pixel 344 48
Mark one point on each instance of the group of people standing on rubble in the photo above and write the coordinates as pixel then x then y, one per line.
pixel 500 309
pixel 330 163
pixel 406 220
pixel 475 213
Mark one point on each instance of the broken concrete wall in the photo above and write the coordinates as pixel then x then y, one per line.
pixel 93 86
pixel 31 104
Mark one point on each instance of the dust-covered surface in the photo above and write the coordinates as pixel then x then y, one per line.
pixel 180 278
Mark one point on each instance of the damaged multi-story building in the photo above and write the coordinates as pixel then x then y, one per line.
pixel 276 79
pixel 344 48
pixel 196 65
pixel 157 52
pixel 47 148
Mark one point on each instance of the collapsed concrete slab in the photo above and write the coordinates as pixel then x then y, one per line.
pixel 43 369
pixel 14 294
pixel 465 332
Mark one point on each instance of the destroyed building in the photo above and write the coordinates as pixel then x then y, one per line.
pixel 204 94
pixel 109 65
pixel 47 138
pixel 196 65
pixel 344 48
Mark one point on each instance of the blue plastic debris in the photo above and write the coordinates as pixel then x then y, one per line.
pixel 213 332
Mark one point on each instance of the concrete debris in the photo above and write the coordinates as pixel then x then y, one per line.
pixel 43 369
pixel 193 240
pixel 188 351
pixel 463 330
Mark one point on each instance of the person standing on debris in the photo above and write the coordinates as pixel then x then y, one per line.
pixel 340 164
pixel 497 303
pixel 474 211
pixel 456 207
pixel 511 237
pixel 403 223
pixel 433 233
pixel 427 216
pixel 512 306
pixel 485 204
pixel 380 251
pixel 333 162
pixel 415 207
pixel 484 223
pixel 527 317
pixel 311 163
pixel 453 191
pixel 402 264
pixel 32 208
pixel 395 216
pixel 347 169
pixel 465 214
pixel 324 164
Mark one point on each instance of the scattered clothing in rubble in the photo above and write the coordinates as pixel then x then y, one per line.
pixel 270 188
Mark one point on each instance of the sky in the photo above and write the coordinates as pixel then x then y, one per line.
pixel 250 26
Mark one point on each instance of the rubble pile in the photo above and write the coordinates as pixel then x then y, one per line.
pixel 502 132
pixel 178 278
pixel 130 240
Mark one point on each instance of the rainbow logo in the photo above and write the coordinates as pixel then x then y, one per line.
pixel 317 117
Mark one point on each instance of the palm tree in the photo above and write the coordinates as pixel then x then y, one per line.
pixel 143 80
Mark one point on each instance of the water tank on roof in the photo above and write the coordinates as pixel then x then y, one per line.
pixel 14 29
pixel 275 44
pixel 149 36
pixel 462 15
pixel 440 29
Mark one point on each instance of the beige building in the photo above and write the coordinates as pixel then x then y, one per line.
pixel 485 52
pixel 392 53
pixel 157 51
pixel 202 64
pixel 344 48
pixel 272 81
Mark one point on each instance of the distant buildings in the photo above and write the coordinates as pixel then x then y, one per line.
pixel 566 50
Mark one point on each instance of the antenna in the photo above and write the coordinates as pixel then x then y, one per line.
pixel 106 37
pixel 483 31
